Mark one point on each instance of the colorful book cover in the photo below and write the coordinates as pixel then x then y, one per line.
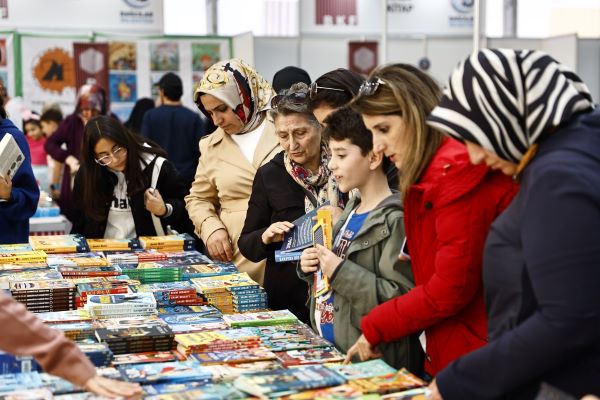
pixel 411 394
pixel 59 317
pixel 225 283
pixel 205 309
pixel 402 380
pixel 362 370
pixel 319 355
pixel 145 358
pixel 278 317
pixel 201 270
pixel 39 286
pixel 13 382
pixel 23 257
pixel 170 371
pixel 15 248
pixel 228 372
pixel 288 381
pixel 73 243
pixel 217 338
pixel 28 394
pixel 89 259
pixel 341 392
pixel 235 356
pixel 209 392
pixel 323 235
pixel 114 244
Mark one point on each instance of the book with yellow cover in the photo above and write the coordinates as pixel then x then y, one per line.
pixel 323 235
pixel 23 257
pixel 73 243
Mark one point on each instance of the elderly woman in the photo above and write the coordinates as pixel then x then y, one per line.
pixel 237 98
pixel 295 182
pixel 523 113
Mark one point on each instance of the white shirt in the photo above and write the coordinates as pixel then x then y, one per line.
pixel 247 142
pixel 120 224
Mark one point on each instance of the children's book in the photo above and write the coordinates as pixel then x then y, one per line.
pixel 73 243
pixel 11 382
pixel 323 235
pixel 145 358
pixel 401 380
pixel 209 392
pixel 29 394
pixel 11 156
pixel 288 381
pixel 235 356
pixel 363 370
pixel 319 355
pixel 411 394
pixel 228 372
pixel 261 318
pixel 114 244
pixel 341 392
pixel 23 257
pixel 179 371
pixel 297 239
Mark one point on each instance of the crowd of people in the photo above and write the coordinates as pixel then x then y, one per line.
pixel 465 220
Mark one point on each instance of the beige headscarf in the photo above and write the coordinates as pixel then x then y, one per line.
pixel 241 88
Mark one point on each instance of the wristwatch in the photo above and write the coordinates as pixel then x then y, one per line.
pixel 55 186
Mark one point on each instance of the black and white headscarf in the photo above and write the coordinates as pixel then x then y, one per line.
pixel 504 99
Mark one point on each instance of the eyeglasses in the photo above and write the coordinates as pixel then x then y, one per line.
pixel 297 98
pixel 314 88
pixel 107 159
pixel 368 88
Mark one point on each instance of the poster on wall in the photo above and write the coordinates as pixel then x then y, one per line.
pixel 362 57
pixel 204 55
pixel 164 56
pixel 122 56
pixel 91 64
pixel 48 72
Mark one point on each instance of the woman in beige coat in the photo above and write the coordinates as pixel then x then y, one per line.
pixel 237 98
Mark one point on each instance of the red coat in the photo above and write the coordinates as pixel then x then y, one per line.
pixel 447 216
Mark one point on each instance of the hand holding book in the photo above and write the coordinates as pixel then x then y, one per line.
pixel 309 261
pixel 328 260
pixel 5 187
pixel 276 231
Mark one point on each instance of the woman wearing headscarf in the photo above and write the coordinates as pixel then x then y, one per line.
pixel 236 98
pixel 293 183
pixel 523 113
pixel 91 101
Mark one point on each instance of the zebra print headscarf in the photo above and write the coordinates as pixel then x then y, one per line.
pixel 504 100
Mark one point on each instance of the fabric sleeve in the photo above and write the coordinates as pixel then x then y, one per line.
pixel 456 280
pixel 258 219
pixel 54 142
pixel 366 289
pixel 25 192
pixel 202 203
pixel 171 188
pixel 24 334
pixel 559 234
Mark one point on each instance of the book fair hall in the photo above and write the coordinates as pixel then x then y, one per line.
pixel 300 199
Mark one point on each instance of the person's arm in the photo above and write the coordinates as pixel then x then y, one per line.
pixel 457 278
pixel 366 289
pixel 559 234
pixel 202 203
pixel 258 219
pixel 24 193
pixel 53 145
pixel 172 190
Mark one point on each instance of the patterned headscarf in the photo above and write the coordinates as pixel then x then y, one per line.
pixel 240 87
pixel 505 100
pixel 92 96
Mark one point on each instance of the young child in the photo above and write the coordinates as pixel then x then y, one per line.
pixel 363 268
pixel 36 139
pixel 50 120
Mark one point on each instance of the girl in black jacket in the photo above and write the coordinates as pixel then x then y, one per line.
pixel 125 188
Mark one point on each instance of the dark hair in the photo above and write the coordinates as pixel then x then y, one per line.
pixel 171 86
pixel 412 94
pixel 137 114
pixel 97 181
pixel 345 123
pixel 291 105
pixel 340 78
pixel 52 115
pixel 286 77
pixel 31 121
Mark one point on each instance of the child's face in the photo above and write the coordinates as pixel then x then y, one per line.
pixel 33 130
pixel 49 127
pixel 350 167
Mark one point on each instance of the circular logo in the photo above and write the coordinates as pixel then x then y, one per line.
pixel 463 6
pixel 424 63
pixel 137 3
pixel 54 70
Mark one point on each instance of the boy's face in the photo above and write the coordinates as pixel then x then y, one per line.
pixel 49 127
pixel 33 130
pixel 350 167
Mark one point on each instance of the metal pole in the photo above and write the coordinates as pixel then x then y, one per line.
pixel 384 22
pixel 476 26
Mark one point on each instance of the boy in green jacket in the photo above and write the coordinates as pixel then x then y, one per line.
pixel 363 269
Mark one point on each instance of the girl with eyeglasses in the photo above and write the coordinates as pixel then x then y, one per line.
pixel 115 194
pixel 449 205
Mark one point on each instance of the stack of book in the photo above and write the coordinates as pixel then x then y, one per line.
pixel 114 244
pixel 261 318
pixel 60 243
pixel 70 272
pixel 150 272
pixel 318 355
pixel 290 337
pixel 229 339
pixel 121 305
pixel 179 371
pixel 6 277
pixel 23 257
pixel 171 293
pixel 232 293
pixel 61 317
pixel 89 259
pixel 228 372
pixel 134 334
pixel 42 296
pixel 192 391
pixel 76 331
pixel 146 357
pixel 238 356
pixel 99 353
pixel 103 287
pixel 178 242
pixel 134 257
pixel 188 319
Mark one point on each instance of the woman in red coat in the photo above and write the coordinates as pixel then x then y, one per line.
pixel 449 205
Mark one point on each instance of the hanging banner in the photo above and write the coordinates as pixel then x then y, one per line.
pixel 91 64
pixel 48 72
pixel 362 57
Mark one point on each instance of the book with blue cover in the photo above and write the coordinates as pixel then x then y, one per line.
pixel 178 371
pixel 297 239
pixel 12 382
pixel 207 392
pixel 362 370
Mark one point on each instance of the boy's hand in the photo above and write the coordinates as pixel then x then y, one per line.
pixel 328 260
pixel 309 260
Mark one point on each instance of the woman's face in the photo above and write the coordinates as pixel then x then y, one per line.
pixel 478 154
pixel 116 154
pixel 88 113
pixel 300 139
pixel 322 111
pixel 221 114
pixel 389 135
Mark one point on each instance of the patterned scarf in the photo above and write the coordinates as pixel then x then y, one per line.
pixel 505 100
pixel 241 88
pixel 322 186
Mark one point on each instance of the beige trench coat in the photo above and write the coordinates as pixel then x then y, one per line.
pixel 219 195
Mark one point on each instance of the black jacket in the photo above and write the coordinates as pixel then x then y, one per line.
pixel 169 185
pixel 275 197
